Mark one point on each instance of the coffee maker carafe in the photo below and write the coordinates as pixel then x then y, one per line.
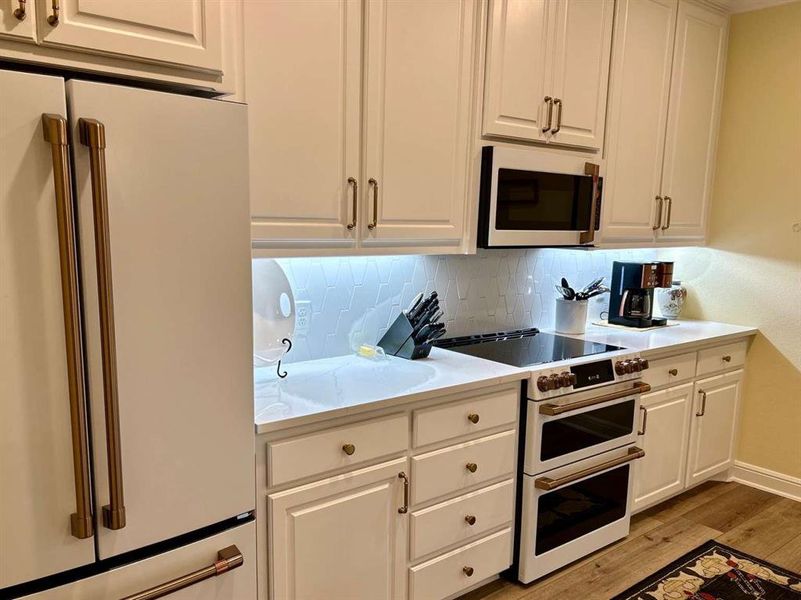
pixel 631 300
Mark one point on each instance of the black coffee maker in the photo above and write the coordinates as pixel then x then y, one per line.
pixel 631 299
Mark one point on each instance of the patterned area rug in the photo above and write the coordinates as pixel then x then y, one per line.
pixel 716 572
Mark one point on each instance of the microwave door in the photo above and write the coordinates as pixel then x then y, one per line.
pixel 164 179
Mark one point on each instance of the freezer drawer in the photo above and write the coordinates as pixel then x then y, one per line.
pixel 238 582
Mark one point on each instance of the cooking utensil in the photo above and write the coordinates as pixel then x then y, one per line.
pixel 571 293
pixel 415 301
pixel 563 291
pixel 592 285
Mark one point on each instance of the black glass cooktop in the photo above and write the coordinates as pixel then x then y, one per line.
pixel 523 347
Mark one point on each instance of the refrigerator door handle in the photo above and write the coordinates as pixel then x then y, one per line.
pixel 93 135
pixel 55 133
pixel 227 559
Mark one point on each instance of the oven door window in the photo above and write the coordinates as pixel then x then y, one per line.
pixel 538 201
pixel 575 510
pixel 572 433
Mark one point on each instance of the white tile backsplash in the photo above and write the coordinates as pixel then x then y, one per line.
pixel 354 300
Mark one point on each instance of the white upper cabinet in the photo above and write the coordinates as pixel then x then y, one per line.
pixel 186 33
pixel 664 105
pixel 581 71
pixel 419 73
pixel 638 101
pixel 547 69
pixel 360 122
pixel 304 120
pixel 698 69
pixel 17 20
pixel 514 104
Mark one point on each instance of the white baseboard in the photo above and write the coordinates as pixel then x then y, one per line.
pixel 765 479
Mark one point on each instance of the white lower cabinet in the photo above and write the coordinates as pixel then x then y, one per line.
pixel 714 427
pixel 341 537
pixel 664 433
pixel 426 520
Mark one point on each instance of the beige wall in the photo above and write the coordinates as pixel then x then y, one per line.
pixel 751 271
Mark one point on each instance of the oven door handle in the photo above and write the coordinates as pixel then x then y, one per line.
pixel 556 409
pixel 548 484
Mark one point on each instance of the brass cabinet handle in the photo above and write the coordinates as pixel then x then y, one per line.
pixel 644 427
pixel 558 104
pixel 549 102
pixel 555 409
pixel 348 449
pixel 468 571
pixel 727 358
pixel 93 135
pixel 352 181
pixel 470 519
pixel 472 467
pixel 227 559
pixel 660 205
pixel 374 223
pixel 673 372
pixel 702 412
pixel 473 418
pixel 548 484
pixel 669 203
pixel 55 133
pixel 53 18
pixel 405 508
pixel 19 13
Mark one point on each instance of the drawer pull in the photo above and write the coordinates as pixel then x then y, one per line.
pixel 472 467
pixel 727 358
pixel 673 372
pixel 473 418
pixel 405 508
pixel 468 571
pixel 227 559
pixel 349 449
pixel 470 520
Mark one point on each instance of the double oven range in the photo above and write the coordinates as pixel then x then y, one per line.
pixel 577 449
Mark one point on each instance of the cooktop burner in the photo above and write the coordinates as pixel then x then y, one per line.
pixel 523 347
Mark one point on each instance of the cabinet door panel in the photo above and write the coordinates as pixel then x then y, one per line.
pixel 581 71
pixel 696 90
pixel 514 94
pixel 638 101
pixel 661 473
pixel 714 433
pixel 187 34
pixel 303 72
pixel 16 24
pixel 419 92
pixel 342 537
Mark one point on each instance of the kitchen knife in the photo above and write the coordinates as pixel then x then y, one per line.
pixel 415 301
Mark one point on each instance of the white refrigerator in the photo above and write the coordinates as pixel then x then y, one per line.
pixel 126 404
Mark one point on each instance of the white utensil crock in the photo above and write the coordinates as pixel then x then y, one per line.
pixel 571 316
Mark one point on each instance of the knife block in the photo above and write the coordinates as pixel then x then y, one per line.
pixel 398 341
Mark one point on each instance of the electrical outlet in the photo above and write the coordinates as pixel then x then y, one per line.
pixel 302 317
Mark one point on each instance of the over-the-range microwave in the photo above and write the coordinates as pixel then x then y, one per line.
pixel 537 198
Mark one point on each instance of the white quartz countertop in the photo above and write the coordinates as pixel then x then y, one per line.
pixel 343 385
pixel 685 335
pixel 322 389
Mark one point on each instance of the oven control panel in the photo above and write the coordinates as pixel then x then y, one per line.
pixel 550 383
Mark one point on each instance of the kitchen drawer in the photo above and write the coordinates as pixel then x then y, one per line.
pixel 132 578
pixel 474 415
pixel 721 358
pixel 448 574
pixel 448 523
pixel 307 455
pixel 446 471
pixel 670 370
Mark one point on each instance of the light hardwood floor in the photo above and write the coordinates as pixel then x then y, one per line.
pixel 756 522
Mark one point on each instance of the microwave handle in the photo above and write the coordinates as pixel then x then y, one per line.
pixel 587 237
